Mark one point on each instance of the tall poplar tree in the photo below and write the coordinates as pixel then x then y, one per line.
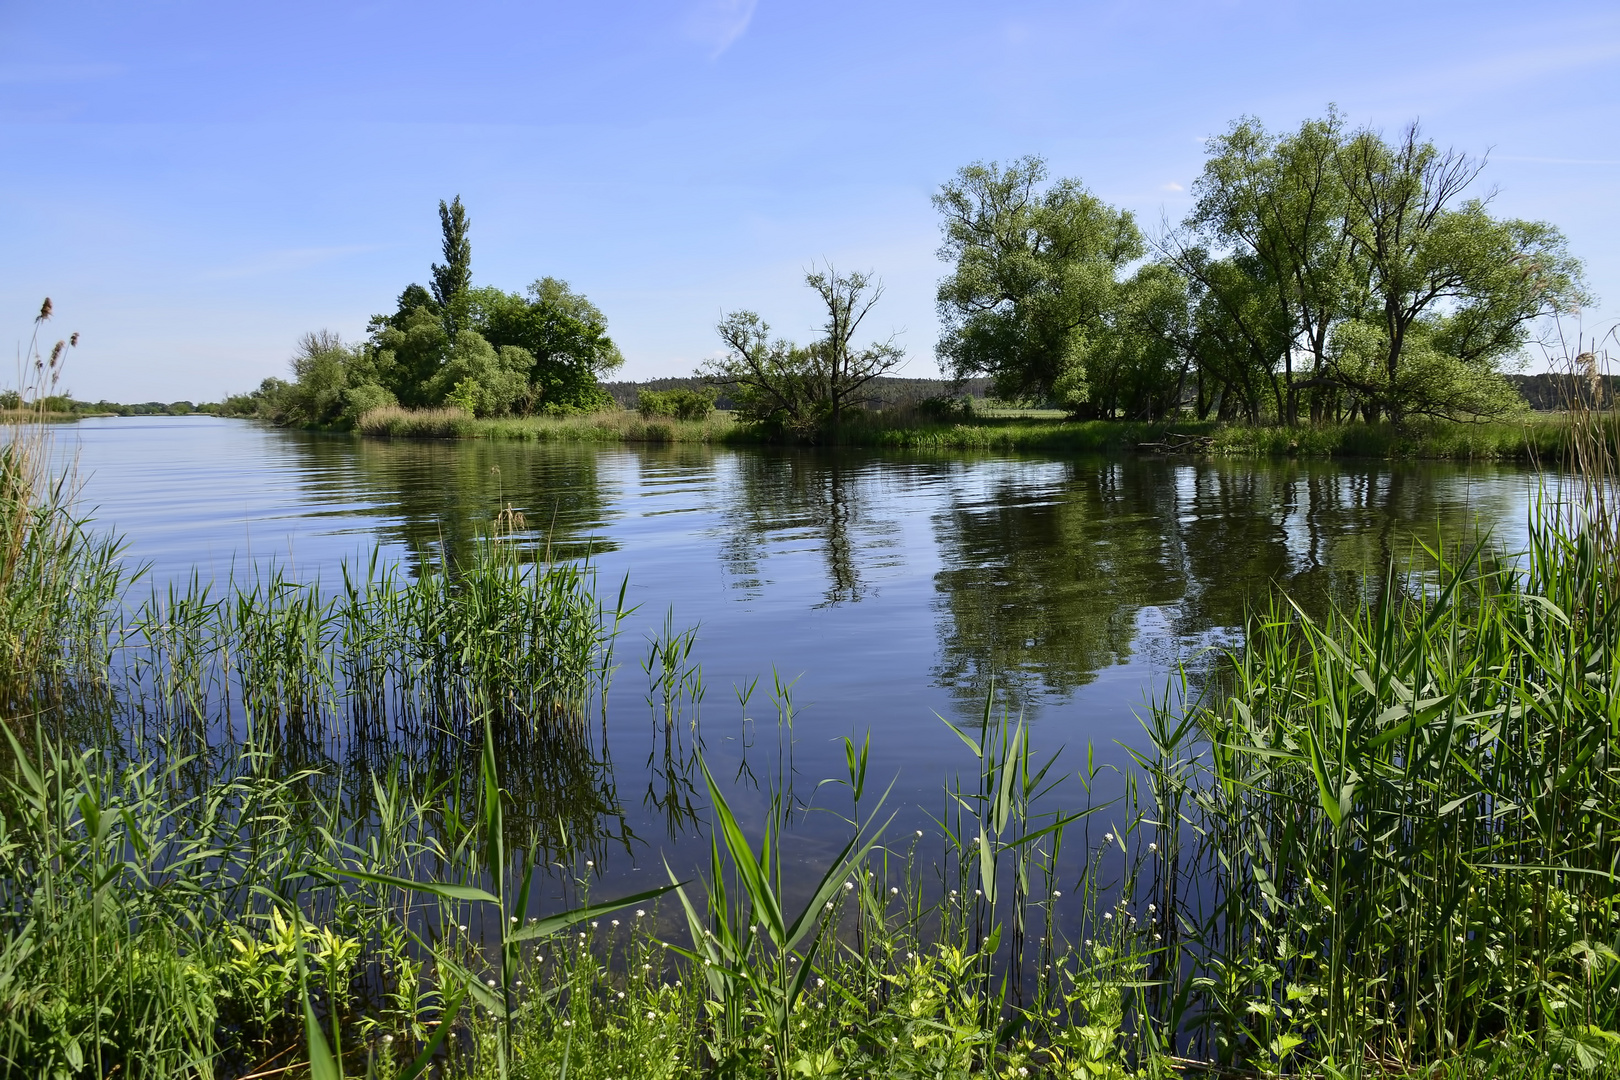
pixel 453 278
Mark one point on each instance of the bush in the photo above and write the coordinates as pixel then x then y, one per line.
pixel 359 400
pixel 945 409
pixel 676 404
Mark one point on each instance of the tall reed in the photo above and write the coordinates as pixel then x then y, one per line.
pixel 58 580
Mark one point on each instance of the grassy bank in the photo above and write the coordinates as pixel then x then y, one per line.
pixel 1541 437
pixel 608 427
pixel 284 830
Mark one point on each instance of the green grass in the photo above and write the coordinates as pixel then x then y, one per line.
pixel 1538 438
pixel 611 427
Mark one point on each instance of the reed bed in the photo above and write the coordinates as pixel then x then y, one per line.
pixel 527 643
pixel 605 427
pixel 1541 437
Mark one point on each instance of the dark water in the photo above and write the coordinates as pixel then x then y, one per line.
pixel 886 588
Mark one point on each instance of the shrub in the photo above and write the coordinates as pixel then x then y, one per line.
pixel 677 404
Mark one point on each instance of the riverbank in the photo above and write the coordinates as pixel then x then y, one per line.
pixel 1540 437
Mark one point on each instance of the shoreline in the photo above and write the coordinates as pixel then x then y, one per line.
pixel 1540 437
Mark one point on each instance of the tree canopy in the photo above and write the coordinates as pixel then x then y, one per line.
pixel 802 389
pixel 1327 269
pixel 490 352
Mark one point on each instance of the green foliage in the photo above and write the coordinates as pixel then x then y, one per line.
pixel 564 333
pixel 482 351
pixel 804 392
pixel 481 380
pixel 677 404
pixel 452 279
pixel 1356 280
pixel 1036 281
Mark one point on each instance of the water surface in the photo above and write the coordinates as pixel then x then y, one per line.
pixel 886 589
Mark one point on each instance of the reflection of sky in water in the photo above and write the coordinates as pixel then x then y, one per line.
pixel 891 587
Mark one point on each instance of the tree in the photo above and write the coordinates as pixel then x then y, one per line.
pixel 482 379
pixel 1280 207
pixel 1353 273
pixel 849 299
pixel 1036 278
pixel 452 279
pixel 803 388
pixel 1447 289
pixel 564 333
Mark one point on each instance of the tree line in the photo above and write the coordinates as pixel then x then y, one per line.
pixel 1327 273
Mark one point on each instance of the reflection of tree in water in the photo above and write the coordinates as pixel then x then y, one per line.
pixel 826 497
pixel 437 498
pixel 1048 568
pixel 1044 575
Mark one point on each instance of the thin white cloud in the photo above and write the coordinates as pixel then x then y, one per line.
pixel 1171 186
pixel 717 24
pixel 284 261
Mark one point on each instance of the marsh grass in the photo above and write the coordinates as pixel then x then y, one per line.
pixel 606 427
pixel 1547 438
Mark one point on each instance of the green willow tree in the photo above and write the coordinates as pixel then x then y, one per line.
pixel 1036 285
pixel 1449 292
pixel 1352 272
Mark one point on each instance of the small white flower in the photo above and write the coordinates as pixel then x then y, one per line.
pixel 978 892
pixel 388 1038
pixel 621 995
pixel 1088 943
pixel 919 832
pixel 514 920
pixel 1156 937
pixel 594 924
pixel 1057 894
pixel 615 922
pixel 490 982
pixel 1108 838
pixel 651 1015
pixel 1108 916
pixel 462 928
pixel 1153 847
pixel 568 1023
pixel 640 913
pixel 820 983
pixel 829 905
pixel 893 891
pixel 1152 908
pixel 589 863
pixel 848 885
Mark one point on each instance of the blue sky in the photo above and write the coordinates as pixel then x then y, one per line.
pixel 196 184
